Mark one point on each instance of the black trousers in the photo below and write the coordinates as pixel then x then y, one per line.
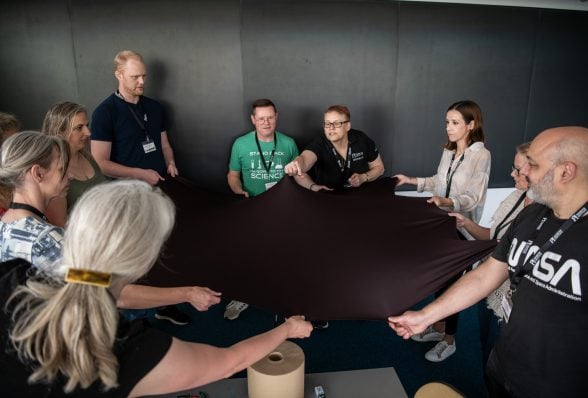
pixel 452 320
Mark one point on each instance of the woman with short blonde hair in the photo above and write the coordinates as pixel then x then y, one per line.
pixel 340 158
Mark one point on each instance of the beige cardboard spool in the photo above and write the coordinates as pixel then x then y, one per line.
pixel 278 374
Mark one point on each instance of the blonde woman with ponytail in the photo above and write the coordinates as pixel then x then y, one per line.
pixel 66 334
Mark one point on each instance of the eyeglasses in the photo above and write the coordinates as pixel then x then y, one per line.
pixel 336 124
pixel 516 170
pixel 268 119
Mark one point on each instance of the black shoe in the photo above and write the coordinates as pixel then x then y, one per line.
pixel 278 320
pixel 320 324
pixel 173 315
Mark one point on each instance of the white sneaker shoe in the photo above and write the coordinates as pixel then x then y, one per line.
pixel 234 309
pixel 429 334
pixel 441 351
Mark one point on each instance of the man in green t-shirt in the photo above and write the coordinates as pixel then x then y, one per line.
pixel 257 163
pixel 258 157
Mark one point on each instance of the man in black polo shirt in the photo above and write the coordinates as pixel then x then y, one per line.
pixel 129 137
pixel 342 157
pixel 129 130
pixel 542 351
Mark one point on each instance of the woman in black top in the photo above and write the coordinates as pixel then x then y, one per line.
pixel 342 157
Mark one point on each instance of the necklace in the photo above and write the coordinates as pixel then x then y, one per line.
pixel 78 167
pixel 32 209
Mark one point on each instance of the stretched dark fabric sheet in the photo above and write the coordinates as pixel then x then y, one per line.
pixel 361 254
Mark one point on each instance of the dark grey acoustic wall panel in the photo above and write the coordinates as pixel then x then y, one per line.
pixel 193 57
pixel 453 52
pixel 36 59
pixel 397 65
pixel 307 55
pixel 559 84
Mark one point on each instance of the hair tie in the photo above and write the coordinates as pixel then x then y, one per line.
pixel 88 277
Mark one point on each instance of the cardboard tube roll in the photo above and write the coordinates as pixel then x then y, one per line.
pixel 278 374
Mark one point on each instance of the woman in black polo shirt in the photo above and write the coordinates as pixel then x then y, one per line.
pixel 343 157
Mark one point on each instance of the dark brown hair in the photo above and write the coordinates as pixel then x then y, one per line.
pixel 469 111
pixel 262 103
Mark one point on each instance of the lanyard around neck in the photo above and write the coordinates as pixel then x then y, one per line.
pixel 268 165
pixel 503 223
pixel 450 174
pixel 345 163
pixel 134 113
pixel 528 265
pixel 32 209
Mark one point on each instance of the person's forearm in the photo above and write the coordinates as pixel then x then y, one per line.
pixel 168 154
pixel 304 181
pixel 426 184
pixel 116 170
pixel 476 230
pixel 249 351
pixel 374 172
pixel 141 297
pixel 302 163
pixel 235 184
pixel 468 290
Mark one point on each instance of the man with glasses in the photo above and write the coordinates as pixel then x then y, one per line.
pixel 342 157
pixel 258 157
pixel 257 164
pixel 542 351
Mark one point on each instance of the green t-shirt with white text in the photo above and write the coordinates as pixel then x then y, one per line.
pixel 245 159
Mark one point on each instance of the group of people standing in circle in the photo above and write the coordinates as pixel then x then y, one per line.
pixel 61 330
pixel 82 272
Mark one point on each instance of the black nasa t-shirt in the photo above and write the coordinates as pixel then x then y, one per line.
pixel 543 349
pixel 326 170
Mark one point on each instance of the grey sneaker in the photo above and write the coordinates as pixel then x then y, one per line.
pixel 429 334
pixel 441 351
pixel 234 309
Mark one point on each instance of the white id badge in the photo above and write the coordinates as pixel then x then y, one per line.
pixel 149 146
pixel 506 305
pixel 268 185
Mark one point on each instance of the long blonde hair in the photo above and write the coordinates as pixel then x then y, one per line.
pixel 59 118
pixel 68 328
